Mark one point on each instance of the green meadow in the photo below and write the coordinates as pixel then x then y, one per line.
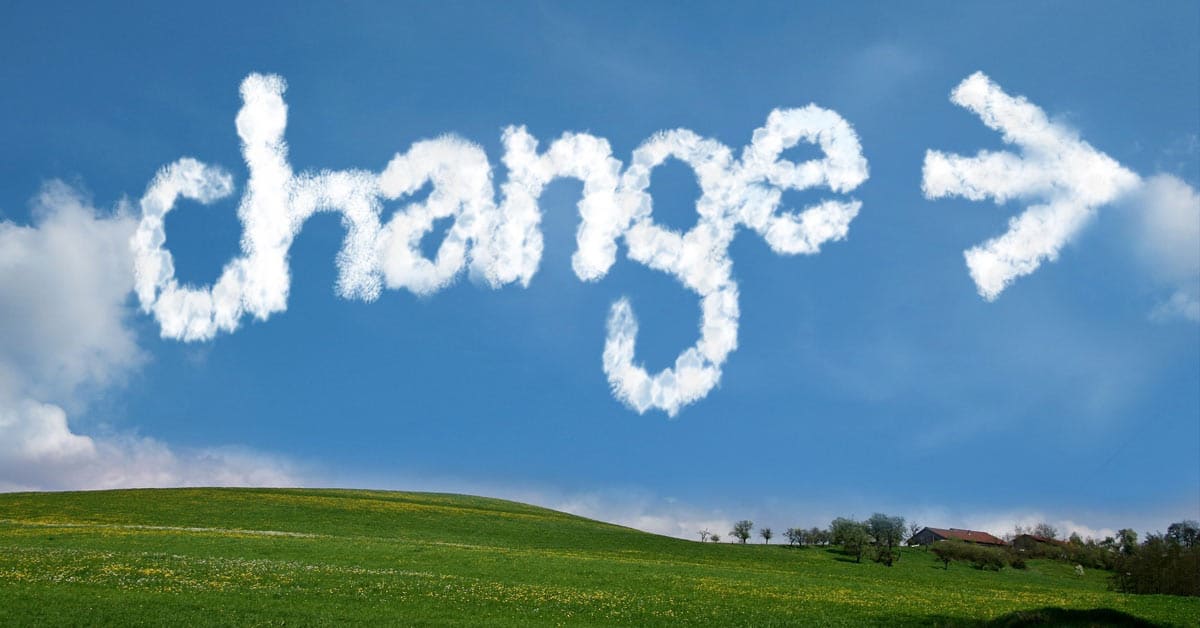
pixel 288 557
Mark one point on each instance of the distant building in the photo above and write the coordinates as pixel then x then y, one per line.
pixel 928 536
pixel 1035 543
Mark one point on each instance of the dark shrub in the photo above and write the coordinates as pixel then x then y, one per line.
pixel 1159 565
pixel 979 556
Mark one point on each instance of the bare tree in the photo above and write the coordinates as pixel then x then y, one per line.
pixel 1045 530
pixel 704 534
pixel 766 534
pixel 913 529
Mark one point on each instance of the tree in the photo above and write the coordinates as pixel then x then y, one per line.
pixel 817 536
pixel 766 534
pixel 851 535
pixel 715 538
pixel 855 542
pixel 1045 530
pixel 839 528
pixel 1184 533
pixel 741 530
pixel 1091 554
pixel 886 534
pixel 1075 539
pixel 943 551
pixel 704 534
pixel 913 529
pixel 795 536
pixel 1127 541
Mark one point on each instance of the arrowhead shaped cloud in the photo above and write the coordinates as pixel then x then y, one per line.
pixel 1069 178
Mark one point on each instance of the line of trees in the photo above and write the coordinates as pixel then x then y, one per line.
pixel 1163 563
pixel 880 536
pixel 1099 554
pixel 741 532
pixel 812 536
pixel 744 529
pixel 1043 530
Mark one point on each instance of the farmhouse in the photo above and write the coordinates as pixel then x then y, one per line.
pixel 928 536
pixel 1033 542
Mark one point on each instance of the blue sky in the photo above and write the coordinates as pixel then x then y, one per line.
pixel 870 376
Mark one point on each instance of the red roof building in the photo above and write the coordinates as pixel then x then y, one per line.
pixel 928 536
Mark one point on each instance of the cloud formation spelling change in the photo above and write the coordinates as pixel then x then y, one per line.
pixel 500 243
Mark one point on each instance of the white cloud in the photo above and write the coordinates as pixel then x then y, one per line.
pixel 38 451
pixel 501 242
pixel 1169 211
pixel 64 282
pixel 645 513
pixel 1183 303
pixel 1167 218
pixel 64 286
pixel 1055 166
pixel 34 432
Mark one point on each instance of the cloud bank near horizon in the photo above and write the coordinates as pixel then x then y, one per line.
pixel 501 243
pixel 1072 180
pixel 65 282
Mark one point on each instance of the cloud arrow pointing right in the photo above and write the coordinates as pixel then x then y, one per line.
pixel 1068 176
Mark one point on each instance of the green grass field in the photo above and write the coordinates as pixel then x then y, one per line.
pixel 268 556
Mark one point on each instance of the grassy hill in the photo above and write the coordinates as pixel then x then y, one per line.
pixel 270 556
